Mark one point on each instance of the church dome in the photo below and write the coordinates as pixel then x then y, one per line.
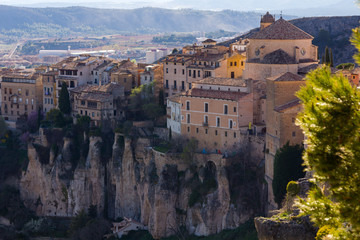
pixel 267 18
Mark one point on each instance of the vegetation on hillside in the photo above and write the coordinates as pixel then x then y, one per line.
pixel 174 39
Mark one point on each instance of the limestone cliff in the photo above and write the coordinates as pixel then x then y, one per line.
pixel 163 191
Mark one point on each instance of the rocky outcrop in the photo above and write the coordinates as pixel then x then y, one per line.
pixel 163 191
pixel 286 223
pixel 298 229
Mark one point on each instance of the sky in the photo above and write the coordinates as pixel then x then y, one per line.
pixel 328 7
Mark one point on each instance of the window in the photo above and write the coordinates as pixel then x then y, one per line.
pixel 194 74
pixel 80 73
pixel 225 134
pixel 293 120
pixel 189 73
pixel 32 101
pixel 234 109
pixel 124 80
pixel 189 85
pixel 10 91
pixel 197 130
pixel 218 121
pixel 231 64
pixel 225 109
pixel 234 134
pixel 293 134
pixel 232 75
pixel 175 85
pixel 145 78
pixel 206 131
pixel 183 85
pixel 206 107
pixel 188 129
pixel 167 70
pixel 27 101
pixel 216 132
pixel 242 63
pixel 183 71
pixel 206 119
pixel 175 71
pixel 198 73
pixel 93 114
pixel 188 118
pixel 187 105
pixel 235 63
pixel 82 102
pixel 167 84
pixel 230 123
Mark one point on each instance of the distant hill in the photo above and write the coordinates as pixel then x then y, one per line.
pixel 58 22
pixel 333 32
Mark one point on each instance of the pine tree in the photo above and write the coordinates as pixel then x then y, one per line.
pixel 331 123
pixel 64 99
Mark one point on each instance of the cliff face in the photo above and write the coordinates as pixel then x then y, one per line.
pixel 163 191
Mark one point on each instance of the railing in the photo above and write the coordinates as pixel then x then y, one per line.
pixel 205 124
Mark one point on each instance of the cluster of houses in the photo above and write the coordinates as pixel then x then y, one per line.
pixel 214 93
pixel 98 87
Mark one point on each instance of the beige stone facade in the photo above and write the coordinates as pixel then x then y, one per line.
pixel 49 90
pixel 216 117
pixel 21 95
pixel 100 103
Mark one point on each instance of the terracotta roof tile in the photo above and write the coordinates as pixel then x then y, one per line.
pixel 286 77
pixel 281 29
pixel 236 82
pixel 226 95
pixel 288 105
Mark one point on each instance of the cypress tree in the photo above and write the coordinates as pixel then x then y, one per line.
pixel 331 58
pixel 327 56
pixel 64 100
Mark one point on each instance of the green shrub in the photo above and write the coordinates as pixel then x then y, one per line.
pixel 287 166
pixel 293 188
pixel 323 232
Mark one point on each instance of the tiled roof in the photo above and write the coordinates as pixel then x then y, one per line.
pixel 208 57
pixel 267 18
pixel 278 57
pixel 209 41
pixel 179 58
pixel 222 81
pixel 281 29
pixel 288 105
pixel 175 98
pixel 305 70
pixel 225 95
pixel 286 77
pixel 107 88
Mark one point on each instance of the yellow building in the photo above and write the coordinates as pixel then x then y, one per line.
pixel 236 64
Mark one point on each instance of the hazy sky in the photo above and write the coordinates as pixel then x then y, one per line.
pixel 198 4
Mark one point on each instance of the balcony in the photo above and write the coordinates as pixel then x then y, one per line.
pixel 205 124
pixel 174 87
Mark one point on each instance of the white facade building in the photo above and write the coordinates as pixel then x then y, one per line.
pixel 174 114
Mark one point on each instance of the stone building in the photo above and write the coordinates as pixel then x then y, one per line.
pixel 100 103
pixel 21 95
pixel 277 57
pixel 175 79
pixel 173 113
pixel 216 111
pixel 49 90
